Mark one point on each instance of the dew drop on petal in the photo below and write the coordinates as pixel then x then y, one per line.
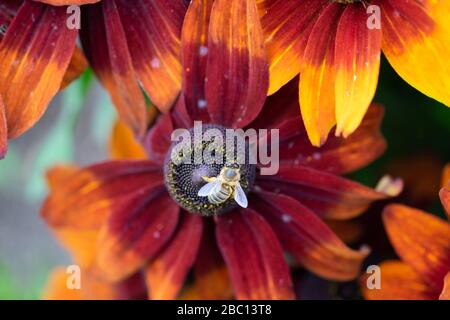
pixel 201 103
pixel 155 63
pixel 203 51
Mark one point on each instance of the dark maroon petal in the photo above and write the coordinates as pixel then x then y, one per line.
pixel 279 107
pixel 83 198
pixel 328 195
pixel 105 45
pixel 165 275
pixel 135 232
pixel 338 155
pixel 212 280
pixel 153 34
pixel 158 141
pixel 254 256
pixel 194 57
pixel 237 69
pixel 308 238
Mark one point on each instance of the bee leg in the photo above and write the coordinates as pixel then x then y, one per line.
pixel 209 179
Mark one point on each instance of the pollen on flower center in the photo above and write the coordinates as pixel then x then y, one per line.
pixel 203 157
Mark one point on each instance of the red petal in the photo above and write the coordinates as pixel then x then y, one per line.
pixel 83 198
pixel 195 53
pixel 254 256
pixel 421 240
pixel 153 33
pixel 157 142
pixel 134 233
pixel 105 45
pixel 357 62
pixel 237 71
pixel 328 195
pixel 35 53
pixel 278 108
pixel 166 273
pixel 212 280
pixel 309 239
pixel 338 155
pixel 287 25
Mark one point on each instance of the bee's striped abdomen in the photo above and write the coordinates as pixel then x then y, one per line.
pixel 221 196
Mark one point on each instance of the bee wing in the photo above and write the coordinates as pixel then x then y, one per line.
pixel 208 188
pixel 240 197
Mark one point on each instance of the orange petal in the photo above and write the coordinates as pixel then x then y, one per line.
pixel 153 33
pixel 79 243
pixel 445 294
pixel 417 34
pixel 165 275
pixel 357 62
pixel 308 239
pixel 135 232
pixel 78 64
pixel 35 54
pixel 287 25
pixel 398 282
pixel 105 45
pixel 56 287
pixel 82 199
pixel 123 144
pixel 237 70
pixel 3 130
pixel 254 256
pixel 92 288
pixel 421 240
pixel 317 94
pixel 59 174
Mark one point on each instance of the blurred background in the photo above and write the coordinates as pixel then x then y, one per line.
pixel 76 129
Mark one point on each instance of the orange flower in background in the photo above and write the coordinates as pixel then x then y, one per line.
pixel 338 56
pixel 423 243
pixel 79 243
pixel 147 219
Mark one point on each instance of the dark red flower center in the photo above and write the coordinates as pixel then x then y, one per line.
pixel 208 155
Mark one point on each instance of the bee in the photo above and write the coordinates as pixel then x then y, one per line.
pixel 226 185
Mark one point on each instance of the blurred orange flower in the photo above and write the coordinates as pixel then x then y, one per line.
pixel 423 243
pixel 336 46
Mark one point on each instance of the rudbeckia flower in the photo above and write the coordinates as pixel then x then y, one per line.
pixel 149 211
pixel 38 57
pixel 128 44
pixel 79 242
pixel 422 242
pixel 336 46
